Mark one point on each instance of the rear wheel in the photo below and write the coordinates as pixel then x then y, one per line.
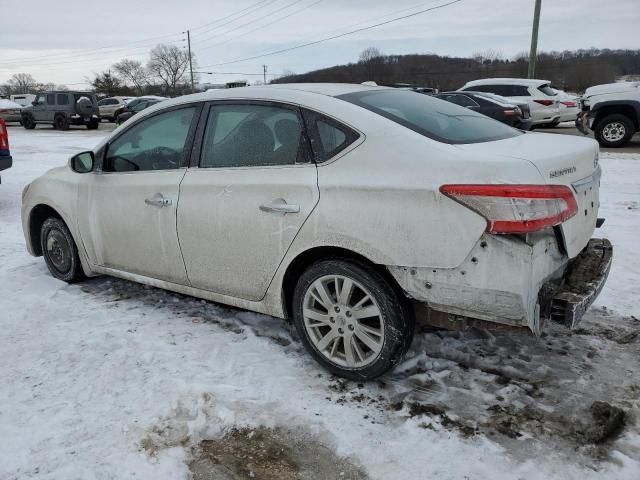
pixel 350 319
pixel 93 125
pixel 60 251
pixel 61 123
pixel 614 130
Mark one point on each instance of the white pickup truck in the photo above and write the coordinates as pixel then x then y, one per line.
pixel 612 112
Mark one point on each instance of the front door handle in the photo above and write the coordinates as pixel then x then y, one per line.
pixel 158 200
pixel 280 205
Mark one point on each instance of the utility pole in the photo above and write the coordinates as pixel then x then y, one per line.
pixel 534 39
pixel 190 62
pixel 264 73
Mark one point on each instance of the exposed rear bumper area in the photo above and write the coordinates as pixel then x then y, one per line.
pixel 582 283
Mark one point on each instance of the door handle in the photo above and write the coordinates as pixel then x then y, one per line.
pixel 280 205
pixel 158 200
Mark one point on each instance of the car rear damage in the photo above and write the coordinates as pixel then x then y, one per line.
pixel 536 260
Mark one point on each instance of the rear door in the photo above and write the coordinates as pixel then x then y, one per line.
pixel 245 198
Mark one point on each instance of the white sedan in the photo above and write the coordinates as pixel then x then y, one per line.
pixel 353 210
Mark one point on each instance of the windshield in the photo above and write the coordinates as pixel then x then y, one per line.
pixel 432 117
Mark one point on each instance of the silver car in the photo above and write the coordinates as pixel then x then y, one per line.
pixel 109 106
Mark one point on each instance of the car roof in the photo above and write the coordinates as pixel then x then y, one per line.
pixel 508 81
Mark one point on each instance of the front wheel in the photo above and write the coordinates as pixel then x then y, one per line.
pixel 60 251
pixel 614 130
pixel 28 122
pixel 350 319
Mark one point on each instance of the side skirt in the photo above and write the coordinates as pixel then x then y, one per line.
pixel 259 307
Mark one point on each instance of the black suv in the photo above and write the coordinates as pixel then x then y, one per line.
pixel 62 109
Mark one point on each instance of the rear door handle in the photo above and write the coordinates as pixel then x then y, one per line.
pixel 158 200
pixel 280 205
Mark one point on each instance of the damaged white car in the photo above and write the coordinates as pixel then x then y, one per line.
pixel 353 210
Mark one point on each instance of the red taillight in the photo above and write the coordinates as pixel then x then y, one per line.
pixel 546 103
pixel 516 208
pixel 569 104
pixel 4 138
pixel 512 112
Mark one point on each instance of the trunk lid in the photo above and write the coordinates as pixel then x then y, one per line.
pixel 561 160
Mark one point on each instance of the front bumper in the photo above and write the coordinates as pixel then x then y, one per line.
pixel 582 283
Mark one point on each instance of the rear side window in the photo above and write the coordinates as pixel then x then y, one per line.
pixel 547 90
pixel 328 137
pixel 252 135
pixel 434 118
pixel 63 99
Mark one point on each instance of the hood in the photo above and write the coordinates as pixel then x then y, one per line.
pixel 618 87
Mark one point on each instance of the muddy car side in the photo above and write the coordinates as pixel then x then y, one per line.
pixel 386 201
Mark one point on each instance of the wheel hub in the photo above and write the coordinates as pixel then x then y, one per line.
pixel 58 251
pixel 343 321
pixel 614 132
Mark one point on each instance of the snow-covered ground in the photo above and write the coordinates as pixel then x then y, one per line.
pixel 109 380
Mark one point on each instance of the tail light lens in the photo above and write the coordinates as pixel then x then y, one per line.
pixel 569 104
pixel 546 103
pixel 516 208
pixel 513 112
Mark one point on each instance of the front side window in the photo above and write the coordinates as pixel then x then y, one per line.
pixel 62 99
pixel 51 99
pixel 41 100
pixel 434 118
pixel 252 135
pixel 156 143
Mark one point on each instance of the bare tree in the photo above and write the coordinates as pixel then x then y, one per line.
pixel 370 54
pixel 22 83
pixel 169 64
pixel 134 72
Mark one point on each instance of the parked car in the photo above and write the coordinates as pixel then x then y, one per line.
pixel 137 108
pixel 23 99
pixel 612 112
pixel 542 100
pixel 10 111
pixel 569 108
pixel 62 109
pixel 494 106
pixel 110 105
pixel 350 209
pixel 132 102
pixel 5 154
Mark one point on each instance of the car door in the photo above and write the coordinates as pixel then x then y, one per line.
pixel 39 110
pixel 244 200
pixel 127 209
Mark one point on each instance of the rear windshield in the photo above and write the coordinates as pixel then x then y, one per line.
pixel 434 118
pixel 547 90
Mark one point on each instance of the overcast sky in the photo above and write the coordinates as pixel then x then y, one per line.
pixel 63 42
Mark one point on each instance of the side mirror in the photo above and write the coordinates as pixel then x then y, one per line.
pixel 33 103
pixel 82 162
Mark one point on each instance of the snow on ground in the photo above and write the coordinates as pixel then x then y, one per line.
pixel 109 379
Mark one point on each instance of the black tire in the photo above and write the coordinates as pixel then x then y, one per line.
pixel 28 123
pixel 398 319
pixel 61 123
pixel 60 251
pixel 552 125
pixel 626 129
pixel 93 125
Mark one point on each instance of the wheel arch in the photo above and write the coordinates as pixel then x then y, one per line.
pixel 37 216
pixel 308 257
pixel 630 110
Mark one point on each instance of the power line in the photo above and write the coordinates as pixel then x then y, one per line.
pixel 316 42
pixel 260 27
pixel 268 2
pixel 252 21
pixel 228 16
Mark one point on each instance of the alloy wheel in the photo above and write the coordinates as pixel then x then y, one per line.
pixel 614 132
pixel 343 321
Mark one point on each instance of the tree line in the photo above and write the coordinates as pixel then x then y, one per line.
pixel 568 70
pixel 165 73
